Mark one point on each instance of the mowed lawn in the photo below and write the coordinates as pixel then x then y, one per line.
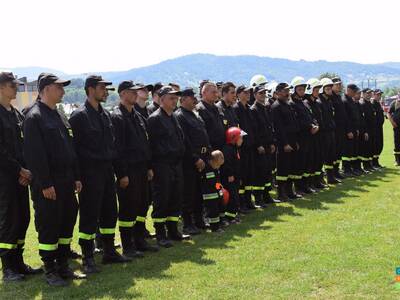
pixel 340 244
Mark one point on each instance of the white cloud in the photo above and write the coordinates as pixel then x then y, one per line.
pixel 82 36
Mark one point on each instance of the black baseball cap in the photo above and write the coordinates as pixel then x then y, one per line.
pixel 353 87
pixel 157 86
pixel 219 83
pixel 367 90
pixel 336 80
pixel 378 91
pixel 259 88
pixel 149 87
pixel 9 77
pixel 282 86
pixel 46 79
pixel 188 92
pixel 127 85
pixel 242 88
pixel 165 90
pixel 93 80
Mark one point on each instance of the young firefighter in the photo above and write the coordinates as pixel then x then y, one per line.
pixel 230 171
pixel 212 190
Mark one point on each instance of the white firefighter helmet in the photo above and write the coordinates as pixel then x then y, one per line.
pixel 311 84
pixel 326 81
pixel 258 80
pixel 298 81
pixel 272 88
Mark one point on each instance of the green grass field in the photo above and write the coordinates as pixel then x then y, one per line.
pixel 340 244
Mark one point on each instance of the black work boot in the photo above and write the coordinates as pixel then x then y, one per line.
pixel 128 248
pixel 397 160
pixel 290 190
pixel 199 222
pixel 331 178
pixel 259 199
pixel 66 272
pixel 249 204
pixel 22 267
pixel 188 225
pixel 110 254
pixel 269 199
pixel 336 172
pixel 10 273
pixel 139 237
pixel 348 172
pixel 51 274
pixel 173 232
pixel 282 195
pixel 215 227
pixel 161 235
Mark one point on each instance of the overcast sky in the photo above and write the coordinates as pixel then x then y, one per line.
pixel 97 35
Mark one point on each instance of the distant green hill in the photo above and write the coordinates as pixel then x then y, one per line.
pixel 189 70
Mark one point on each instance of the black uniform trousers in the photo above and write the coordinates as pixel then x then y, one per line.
pixel 329 149
pixel 340 137
pixel 232 207
pixel 133 202
pixel 396 136
pixel 286 161
pixel 350 152
pixel 167 192
pixel 97 205
pixel 378 142
pixel 316 155
pixel 55 219
pixel 246 172
pixel 192 202
pixel 367 148
pixel 262 172
pixel 14 214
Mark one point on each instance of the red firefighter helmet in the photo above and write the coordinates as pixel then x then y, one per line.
pixel 232 135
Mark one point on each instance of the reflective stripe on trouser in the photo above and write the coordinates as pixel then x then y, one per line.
pixel 167 192
pixel 55 220
pixel 97 203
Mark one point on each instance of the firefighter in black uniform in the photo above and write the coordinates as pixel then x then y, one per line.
pixel 132 169
pixel 307 130
pixel 167 144
pixel 264 146
pixel 225 105
pixel 341 124
pixel 246 123
pixel 155 104
pixel 212 118
pixel 363 136
pixel 317 162
pixel 286 131
pixel 197 152
pixel 142 98
pixel 14 178
pixel 328 130
pixel 94 143
pixel 394 118
pixel 50 155
pixel 367 146
pixel 353 127
pixel 268 105
pixel 380 120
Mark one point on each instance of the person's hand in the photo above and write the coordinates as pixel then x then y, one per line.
pixel 350 136
pixel 23 181
pixel 287 148
pixel 124 182
pixel 314 130
pixel 366 137
pixel 272 149
pixel 261 150
pixel 150 175
pixel 78 186
pixel 50 193
pixel 231 178
pixel 25 173
pixel 200 165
